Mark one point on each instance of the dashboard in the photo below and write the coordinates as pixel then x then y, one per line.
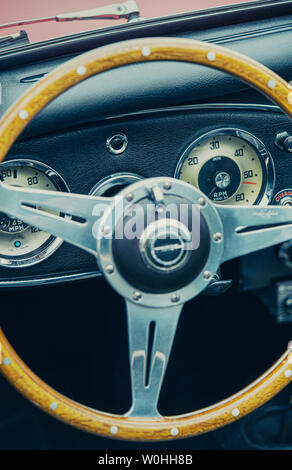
pixel 228 151
pixel 163 119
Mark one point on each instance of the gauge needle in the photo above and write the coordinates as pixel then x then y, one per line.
pixel 248 182
pixel 214 189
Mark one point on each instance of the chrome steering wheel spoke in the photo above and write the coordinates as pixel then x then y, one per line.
pixel 83 213
pixel 249 229
pixel 151 334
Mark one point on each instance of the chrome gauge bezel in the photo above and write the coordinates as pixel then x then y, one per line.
pixel 53 243
pixel 266 160
pixel 112 181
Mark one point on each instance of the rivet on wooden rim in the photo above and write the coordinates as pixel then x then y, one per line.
pixel 53 406
pixel 114 429
pixel 211 56
pixel 23 114
pixel 271 84
pixel 81 70
pixel 174 431
pixel 146 51
pixel 235 412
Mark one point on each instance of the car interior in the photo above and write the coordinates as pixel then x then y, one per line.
pixel 156 123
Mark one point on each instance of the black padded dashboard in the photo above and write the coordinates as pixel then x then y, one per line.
pixel 70 134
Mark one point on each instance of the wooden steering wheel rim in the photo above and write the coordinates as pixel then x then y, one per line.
pixel 12 124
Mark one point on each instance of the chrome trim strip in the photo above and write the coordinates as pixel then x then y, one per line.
pixel 251 34
pixel 111 181
pixel 48 280
pixel 195 107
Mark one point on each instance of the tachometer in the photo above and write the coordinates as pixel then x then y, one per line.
pixel 230 166
pixel 20 244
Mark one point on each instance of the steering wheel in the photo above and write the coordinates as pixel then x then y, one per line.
pixel 154 272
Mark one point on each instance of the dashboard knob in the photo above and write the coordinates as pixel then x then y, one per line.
pixel 283 141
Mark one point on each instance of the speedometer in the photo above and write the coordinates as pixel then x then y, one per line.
pixel 230 166
pixel 20 244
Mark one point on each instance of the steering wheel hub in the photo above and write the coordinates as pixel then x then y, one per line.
pixel 158 241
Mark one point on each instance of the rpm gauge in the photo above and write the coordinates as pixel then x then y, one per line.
pixel 20 244
pixel 230 166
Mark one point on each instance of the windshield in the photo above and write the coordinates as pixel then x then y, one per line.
pixel 15 10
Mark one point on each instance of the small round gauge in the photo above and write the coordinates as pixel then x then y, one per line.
pixel 20 244
pixel 230 166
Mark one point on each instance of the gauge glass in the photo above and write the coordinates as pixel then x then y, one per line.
pixel 229 166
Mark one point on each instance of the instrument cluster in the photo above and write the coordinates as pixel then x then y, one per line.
pixel 230 166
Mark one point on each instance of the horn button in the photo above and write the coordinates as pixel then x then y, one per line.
pixel 166 253
pixel 162 245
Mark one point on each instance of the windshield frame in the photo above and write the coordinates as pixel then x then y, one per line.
pixel 197 20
